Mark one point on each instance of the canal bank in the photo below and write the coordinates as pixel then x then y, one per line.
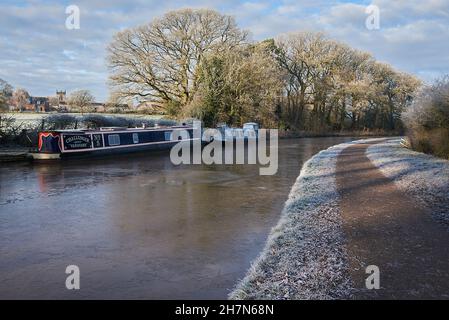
pixel 354 205
pixel 13 154
pixel 304 256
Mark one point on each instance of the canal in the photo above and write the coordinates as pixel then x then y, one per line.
pixel 138 226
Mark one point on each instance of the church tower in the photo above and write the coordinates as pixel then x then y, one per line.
pixel 61 96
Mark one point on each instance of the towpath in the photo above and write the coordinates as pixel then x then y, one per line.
pixel 385 227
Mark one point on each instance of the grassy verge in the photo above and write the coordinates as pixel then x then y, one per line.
pixel 423 176
pixel 304 257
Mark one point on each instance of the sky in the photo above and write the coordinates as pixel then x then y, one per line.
pixel 38 52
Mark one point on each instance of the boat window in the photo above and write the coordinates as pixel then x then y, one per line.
pixel 114 139
pixel 135 137
pixel 176 135
pixel 167 135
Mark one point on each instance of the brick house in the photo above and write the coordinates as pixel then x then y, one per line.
pixel 38 104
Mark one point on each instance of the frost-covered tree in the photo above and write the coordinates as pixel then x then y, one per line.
pixel 159 61
pixel 80 100
pixel 20 98
pixel 327 83
pixel 6 91
pixel 238 86
pixel 427 119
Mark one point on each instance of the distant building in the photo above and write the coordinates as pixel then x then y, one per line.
pixel 32 104
pixel 37 104
pixel 61 95
pixel 97 107
pixel 59 103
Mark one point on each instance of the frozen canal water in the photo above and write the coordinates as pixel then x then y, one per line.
pixel 137 226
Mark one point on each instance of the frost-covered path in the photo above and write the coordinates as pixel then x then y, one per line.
pixel 387 228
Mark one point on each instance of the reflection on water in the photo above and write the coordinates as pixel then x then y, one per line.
pixel 137 226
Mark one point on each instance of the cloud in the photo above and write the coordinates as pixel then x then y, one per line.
pixel 413 35
pixel 37 52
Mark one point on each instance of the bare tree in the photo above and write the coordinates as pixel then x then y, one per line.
pixel 5 94
pixel 328 82
pixel 81 100
pixel 159 61
pixel 20 98
pixel 54 101
pixel 118 104
pixel 297 54
pixel 196 62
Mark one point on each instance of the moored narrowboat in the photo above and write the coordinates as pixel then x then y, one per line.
pixel 223 133
pixel 57 144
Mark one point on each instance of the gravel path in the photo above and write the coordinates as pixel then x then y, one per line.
pixel 384 226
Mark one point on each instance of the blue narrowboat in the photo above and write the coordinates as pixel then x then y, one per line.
pixel 57 144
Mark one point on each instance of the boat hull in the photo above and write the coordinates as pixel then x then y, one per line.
pixel 128 150
pixel 37 156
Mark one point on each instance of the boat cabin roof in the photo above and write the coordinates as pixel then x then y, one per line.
pixel 111 129
pixel 250 124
